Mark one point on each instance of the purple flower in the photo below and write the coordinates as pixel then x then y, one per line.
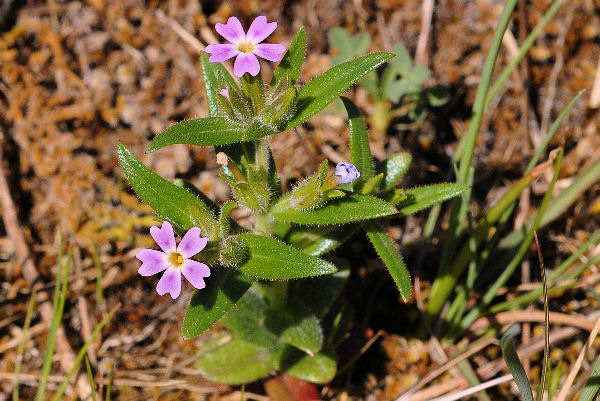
pixel 174 261
pixel 346 172
pixel 245 46
pixel 225 93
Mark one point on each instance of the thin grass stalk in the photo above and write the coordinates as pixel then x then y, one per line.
pixel 489 296
pixel 58 306
pixel 525 46
pixel 540 394
pixel 82 352
pixel 21 349
pixel 555 276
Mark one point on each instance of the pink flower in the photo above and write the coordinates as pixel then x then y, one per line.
pixel 174 261
pixel 225 93
pixel 245 46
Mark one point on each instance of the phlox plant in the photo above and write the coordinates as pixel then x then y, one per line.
pixel 268 284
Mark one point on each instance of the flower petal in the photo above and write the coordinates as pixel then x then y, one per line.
pixel 346 172
pixel 221 52
pixel 246 62
pixel 152 261
pixel 195 272
pixel 260 29
pixel 232 31
pixel 170 282
pixel 191 243
pixel 164 236
pixel 269 51
pixel 225 93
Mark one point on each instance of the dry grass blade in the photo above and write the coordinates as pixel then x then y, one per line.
pixel 566 388
pixel 475 389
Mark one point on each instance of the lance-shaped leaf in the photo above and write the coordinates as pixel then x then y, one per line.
pixel 353 207
pixel 213 73
pixel 318 293
pixel 317 241
pixel 167 199
pixel 271 259
pixel 318 93
pixel 384 246
pixel 210 131
pixel 514 363
pixel 393 169
pixel 223 289
pixel 291 64
pixel 360 152
pixel 421 198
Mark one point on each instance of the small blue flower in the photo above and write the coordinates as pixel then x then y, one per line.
pixel 346 172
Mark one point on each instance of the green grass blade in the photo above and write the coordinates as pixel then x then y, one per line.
pixel 61 390
pixel 505 275
pixel 592 386
pixel 514 363
pixel 90 376
pixel 527 43
pixel 21 349
pixel 58 306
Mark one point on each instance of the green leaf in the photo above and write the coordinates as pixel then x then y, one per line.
pixel 212 72
pixel 514 363
pixel 236 362
pixel 167 199
pixel 301 330
pixel 384 246
pixel 247 320
pixel 353 207
pixel 317 241
pixel 393 169
pixel 318 93
pixel 341 40
pixel 421 198
pixel 210 131
pixel 291 64
pixel 360 152
pixel 361 43
pixel 437 96
pixel 223 289
pixel 396 90
pixel 273 260
pixel 316 294
pixel 403 63
pixel 320 368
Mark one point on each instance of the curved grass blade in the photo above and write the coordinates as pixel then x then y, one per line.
pixel 514 363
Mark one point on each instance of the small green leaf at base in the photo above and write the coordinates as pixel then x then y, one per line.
pixel 320 368
pixel 391 258
pixel 514 363
pixel 236 362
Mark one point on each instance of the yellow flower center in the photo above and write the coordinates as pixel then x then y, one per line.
pixel 175 259
pixel 245 46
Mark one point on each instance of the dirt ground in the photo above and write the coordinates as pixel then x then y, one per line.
pixel 76 77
